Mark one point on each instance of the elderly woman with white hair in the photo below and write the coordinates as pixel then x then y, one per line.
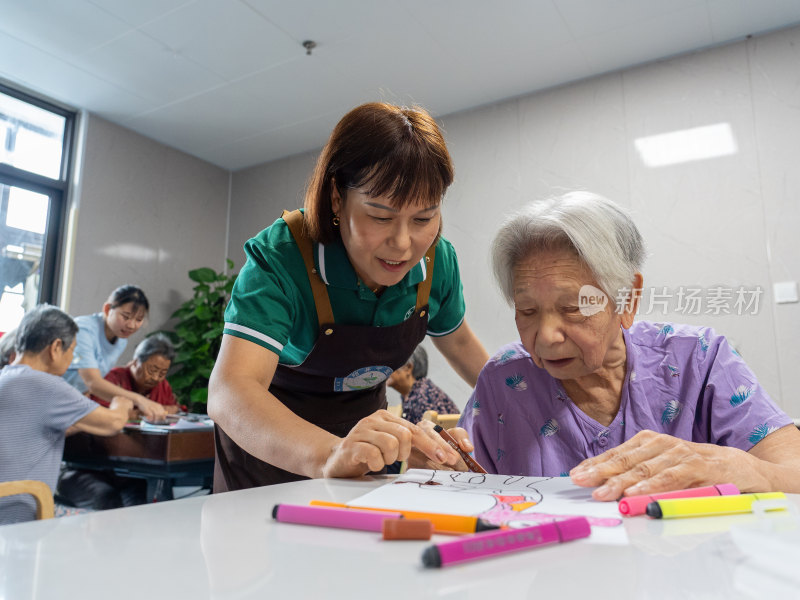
pixel 629 408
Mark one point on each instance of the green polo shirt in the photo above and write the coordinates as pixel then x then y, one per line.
pixel 272 304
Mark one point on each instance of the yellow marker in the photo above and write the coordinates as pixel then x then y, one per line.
pixel 712 505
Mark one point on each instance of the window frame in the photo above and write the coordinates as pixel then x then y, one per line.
pixel 56 189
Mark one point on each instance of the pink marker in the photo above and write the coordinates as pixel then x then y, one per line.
pixel 504 541
pixel 637 505
pixel 343 518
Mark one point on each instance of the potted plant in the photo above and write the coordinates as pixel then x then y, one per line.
pixel 197 335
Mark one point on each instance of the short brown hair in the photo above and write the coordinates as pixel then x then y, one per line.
pixel 385 150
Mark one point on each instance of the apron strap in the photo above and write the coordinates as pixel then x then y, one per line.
pixel 424 286
pixel 322 301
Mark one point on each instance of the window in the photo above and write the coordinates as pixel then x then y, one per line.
pixel 34 168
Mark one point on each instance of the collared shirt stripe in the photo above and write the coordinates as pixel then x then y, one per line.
pixel 256 334
pixel 321 258
pixel 435 334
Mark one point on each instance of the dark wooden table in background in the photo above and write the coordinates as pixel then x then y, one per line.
pixel 163 458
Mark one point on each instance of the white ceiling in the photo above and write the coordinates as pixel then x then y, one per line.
pixel 228 81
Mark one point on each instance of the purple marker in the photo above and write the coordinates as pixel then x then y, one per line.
pixel 343 518
pixel 504 541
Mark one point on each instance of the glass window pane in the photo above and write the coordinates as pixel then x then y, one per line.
pixel 11 311
pixel 23 220
pixel 34 137
pixel 27 210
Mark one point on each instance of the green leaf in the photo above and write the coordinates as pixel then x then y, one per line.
pixel 188 335
pixel 199 395
pixel 183 357
pixel 229 263
pixel 213 333
pixel 204 312
pixel 182 312
pixel 203 274
pixel 181 380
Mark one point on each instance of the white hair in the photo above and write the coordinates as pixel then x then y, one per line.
pixel 602 234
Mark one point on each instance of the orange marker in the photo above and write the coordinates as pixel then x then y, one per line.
pixel 442 523
pixel 471 462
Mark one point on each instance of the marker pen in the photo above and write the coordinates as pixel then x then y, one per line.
pixel 332 517
pixel 711 505
pixel 472 464
pixel 505 541
pixel 637 505
pixel 442 523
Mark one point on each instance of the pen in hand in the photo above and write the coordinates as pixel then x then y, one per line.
pixel 472 465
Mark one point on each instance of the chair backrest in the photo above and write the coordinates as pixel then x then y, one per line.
pixel 38 489
pixel 447 421
pixel 395 410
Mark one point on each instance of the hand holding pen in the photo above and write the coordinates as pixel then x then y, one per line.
pixel 456 439
pixel 381 439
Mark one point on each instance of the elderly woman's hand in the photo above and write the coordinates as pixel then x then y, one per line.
pixel 652 462
pixel 152 411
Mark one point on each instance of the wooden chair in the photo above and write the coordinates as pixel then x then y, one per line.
pixel 38 489
pixel 446 421
pixel 395 410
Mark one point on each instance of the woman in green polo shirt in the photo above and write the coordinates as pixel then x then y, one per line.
pixel 331 300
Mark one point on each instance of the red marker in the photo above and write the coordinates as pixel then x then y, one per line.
pixel 637 505
pixel 471 463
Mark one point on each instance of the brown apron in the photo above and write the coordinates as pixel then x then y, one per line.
pixel 339 383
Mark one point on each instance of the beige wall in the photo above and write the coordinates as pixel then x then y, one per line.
pixel 262 193
pixel 147 214
pixel 729 221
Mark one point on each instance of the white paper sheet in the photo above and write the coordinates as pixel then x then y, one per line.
pixel 502 499
pixel 180 424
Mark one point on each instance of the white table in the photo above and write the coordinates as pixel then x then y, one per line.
pixel 228 546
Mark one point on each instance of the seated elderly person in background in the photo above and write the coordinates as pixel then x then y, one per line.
pixel 37 407
pixel 146 374
pixel 633 408
pixel 417 391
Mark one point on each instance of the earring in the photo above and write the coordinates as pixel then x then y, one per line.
pixel 335 220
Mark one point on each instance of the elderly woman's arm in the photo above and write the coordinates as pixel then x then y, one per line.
pixel 651 462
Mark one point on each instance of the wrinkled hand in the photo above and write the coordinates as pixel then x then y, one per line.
pixel 651 462
pixel 379 440
pixel 418 460
pixel 152 411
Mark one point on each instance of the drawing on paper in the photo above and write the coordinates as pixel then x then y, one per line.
pixel 514 501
